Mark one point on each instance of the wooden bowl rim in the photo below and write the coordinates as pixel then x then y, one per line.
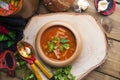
pixel 57 63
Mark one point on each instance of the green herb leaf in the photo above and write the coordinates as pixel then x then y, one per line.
pixel 67 70
pixel 22 69
pixel 59 77
pixel 3 37
pixel 63 73
pixel 61 48
pixel 63 40
pixel 30 77
pixel 50 46
pixel 55 39
pixel 10 43
pixel 66 46
pixel 12 35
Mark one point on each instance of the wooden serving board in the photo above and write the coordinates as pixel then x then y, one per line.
pixel 94 47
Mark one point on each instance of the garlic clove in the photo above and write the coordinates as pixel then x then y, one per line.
pixel 83 4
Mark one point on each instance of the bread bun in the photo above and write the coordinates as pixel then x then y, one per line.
pixel 58 5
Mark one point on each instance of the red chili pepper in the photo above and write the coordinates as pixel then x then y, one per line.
pixel 12 7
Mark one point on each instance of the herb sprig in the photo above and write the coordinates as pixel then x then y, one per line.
pixel 63 73
pixel 22 69
pixel 63 44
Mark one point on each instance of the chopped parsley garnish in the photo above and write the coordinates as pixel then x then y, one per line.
pixel 63 40
pixel 51 46
pixel 61 43
pixel 55 39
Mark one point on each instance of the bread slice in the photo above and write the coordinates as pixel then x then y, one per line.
pixel 58 5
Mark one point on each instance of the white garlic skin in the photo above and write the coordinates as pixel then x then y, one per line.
pixel 83 4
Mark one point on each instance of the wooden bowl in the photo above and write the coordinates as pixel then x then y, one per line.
pixel 43 39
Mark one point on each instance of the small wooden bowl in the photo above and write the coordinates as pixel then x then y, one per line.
pixel 59 63
pixel 11 11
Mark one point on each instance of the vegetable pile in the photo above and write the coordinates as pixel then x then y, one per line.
pixel 25 73
pixel 63 73
pixel 8 6
pixel 22 71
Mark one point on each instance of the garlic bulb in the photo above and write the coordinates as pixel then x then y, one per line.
pixel 83 4
pixel 102 5
pixel 28 50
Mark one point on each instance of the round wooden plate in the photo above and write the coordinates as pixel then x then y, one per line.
pixel 94 42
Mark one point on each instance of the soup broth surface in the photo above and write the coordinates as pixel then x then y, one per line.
pixel 58 43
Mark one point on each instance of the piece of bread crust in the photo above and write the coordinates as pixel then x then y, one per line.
pixel 58 5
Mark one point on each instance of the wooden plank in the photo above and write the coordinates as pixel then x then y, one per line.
pixel 112 63
pixel 4 76
pixel 118 1
pixel 94 75
pixel 113 18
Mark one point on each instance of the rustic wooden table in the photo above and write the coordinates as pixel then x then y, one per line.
pixel 110 70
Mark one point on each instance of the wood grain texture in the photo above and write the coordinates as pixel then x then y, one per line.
pixel 112 64
pixel 94 75
pixel 114 18
pixel 118 1
pixel 4 76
